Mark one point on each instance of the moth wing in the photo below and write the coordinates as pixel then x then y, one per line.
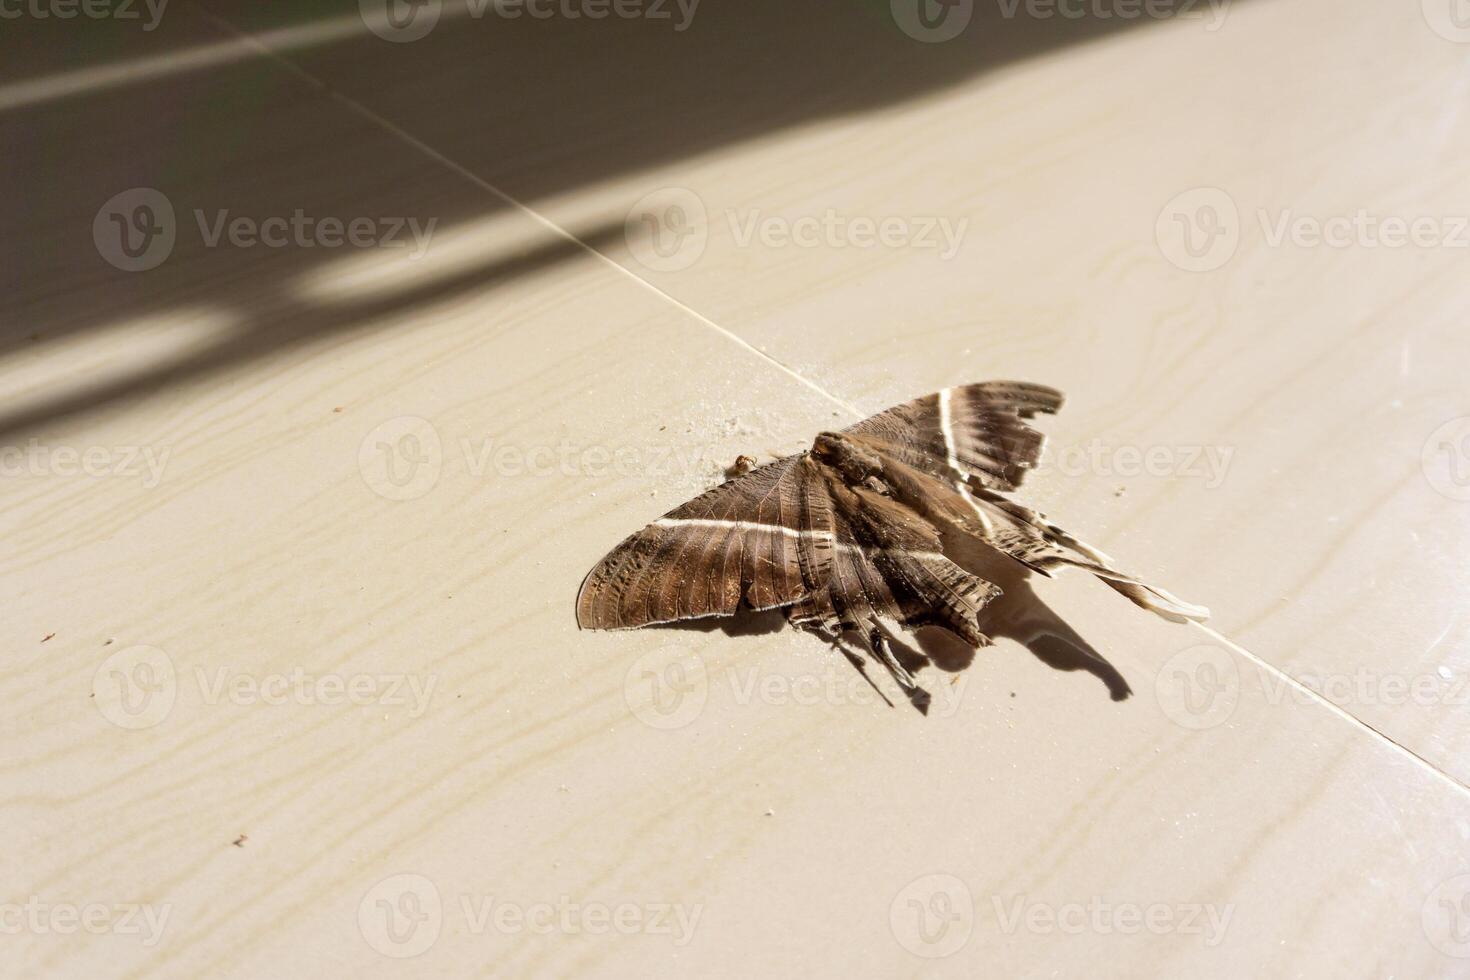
pixel 975 433
pixel 1031 539
pixel 762 540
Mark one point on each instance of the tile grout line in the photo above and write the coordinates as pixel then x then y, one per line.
pixel 395 130
pixel 399 132
pixel 1330 705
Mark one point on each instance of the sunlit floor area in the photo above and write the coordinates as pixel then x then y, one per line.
pixel 339 342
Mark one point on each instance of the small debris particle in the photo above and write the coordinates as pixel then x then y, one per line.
pixel 770 813
pixel 240 841
pixel 1120 491
pixel 47 637
pixel 337 410
pixel 107 642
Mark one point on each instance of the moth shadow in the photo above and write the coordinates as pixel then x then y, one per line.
pixel 750 622
pixel 746 622
pixel 1019 614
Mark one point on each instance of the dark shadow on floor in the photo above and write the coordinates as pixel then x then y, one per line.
pixel 540 108
pixel 1019 614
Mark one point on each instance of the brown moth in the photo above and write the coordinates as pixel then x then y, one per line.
pixel 849 532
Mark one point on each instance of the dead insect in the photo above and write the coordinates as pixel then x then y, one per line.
pixel 850 531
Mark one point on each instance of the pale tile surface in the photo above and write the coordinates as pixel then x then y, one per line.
pixel 1290 394
pixel 773 799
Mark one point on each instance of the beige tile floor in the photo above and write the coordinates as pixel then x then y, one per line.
pixel 387 468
